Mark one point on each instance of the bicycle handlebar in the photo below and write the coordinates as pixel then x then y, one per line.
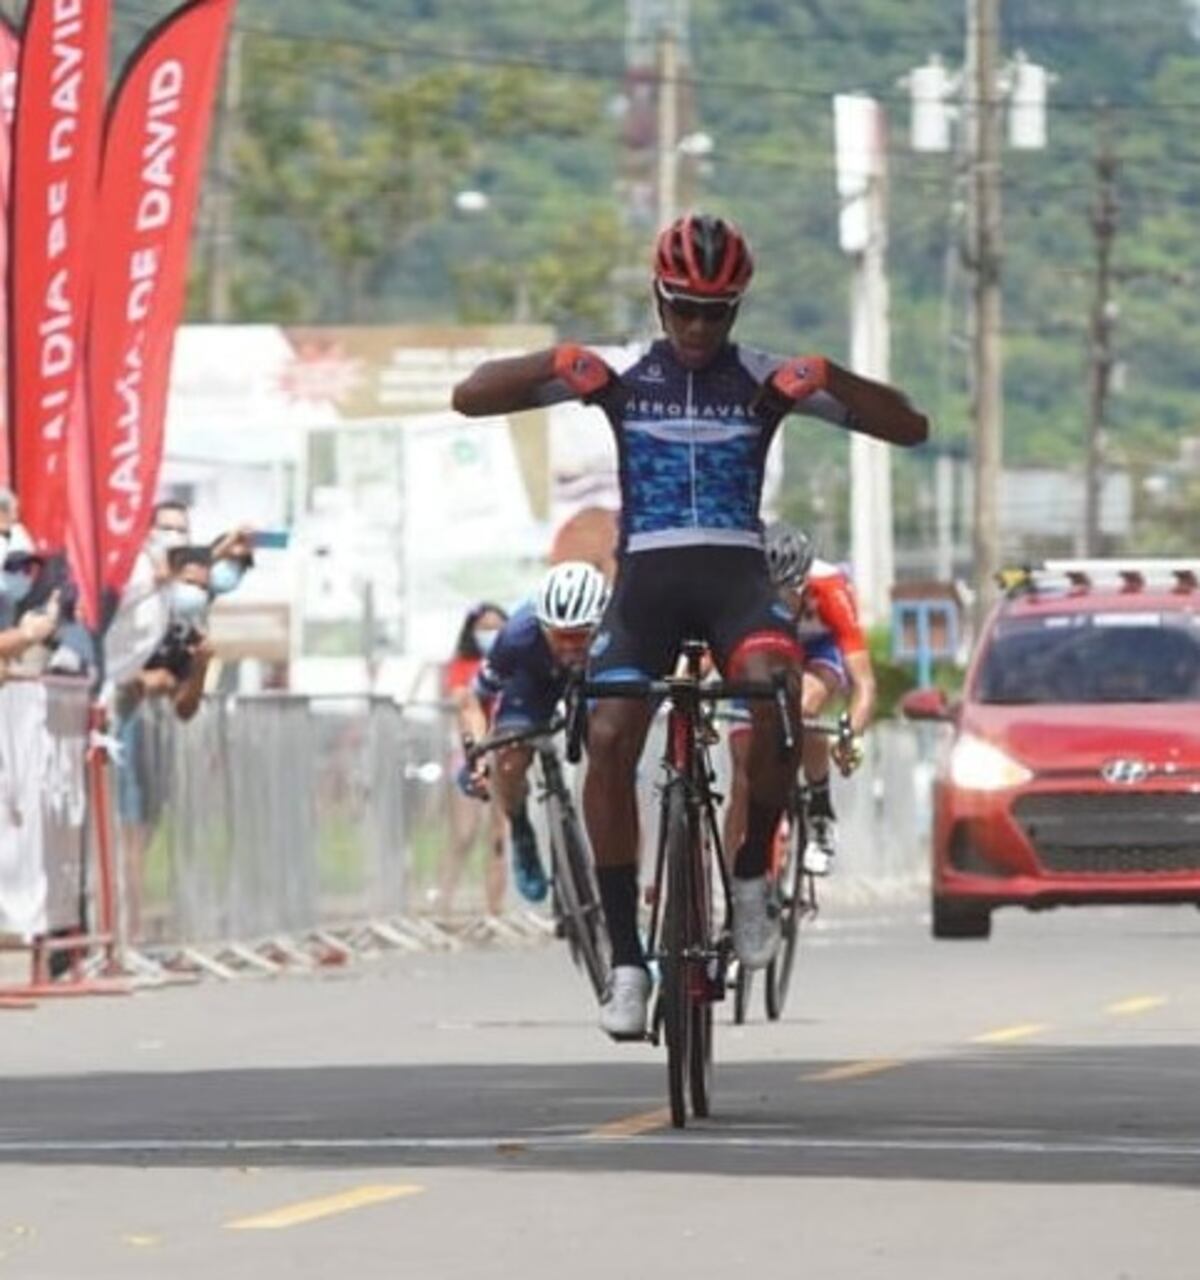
pixel 495 741
pixel 675 686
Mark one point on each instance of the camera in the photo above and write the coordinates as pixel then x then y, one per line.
pixel 175 650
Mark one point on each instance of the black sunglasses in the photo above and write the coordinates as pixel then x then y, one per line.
pixel 683 308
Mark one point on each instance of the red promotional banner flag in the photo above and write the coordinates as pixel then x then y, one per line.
pixel 56 154
pixel 154 154
pixel 10 51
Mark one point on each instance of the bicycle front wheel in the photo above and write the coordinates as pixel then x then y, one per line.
pixel 700 1059
pixel 585 917
pixel 791 883
pixel 676 994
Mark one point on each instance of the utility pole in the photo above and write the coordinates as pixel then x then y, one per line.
pixel 985 256
pixel 977 98
pixel 860 138
pixel 1100 335
pixel 668 122
pixel 223 244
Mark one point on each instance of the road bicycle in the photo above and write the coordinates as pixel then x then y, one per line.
pixel 689 942
pixel 796 890
pixel 578 917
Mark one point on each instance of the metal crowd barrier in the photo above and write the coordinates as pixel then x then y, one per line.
pixel 43 805
pixel 280 831
pixel 280 814
pixel 56 900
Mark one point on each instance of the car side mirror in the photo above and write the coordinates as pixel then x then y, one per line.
pixel 926 704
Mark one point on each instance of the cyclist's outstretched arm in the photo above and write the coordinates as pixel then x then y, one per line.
pixel 472 718
pixel 513 383
pixel 862 689
pixel 876 409
pixel 817 386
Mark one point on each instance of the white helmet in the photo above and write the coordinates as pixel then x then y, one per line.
pixel 573 594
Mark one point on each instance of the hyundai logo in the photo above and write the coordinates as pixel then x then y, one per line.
pixel 1126 772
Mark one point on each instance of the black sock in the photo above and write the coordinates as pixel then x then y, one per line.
pixel 752 857
pixel 820 805
pixel 519 818
pixel 619 895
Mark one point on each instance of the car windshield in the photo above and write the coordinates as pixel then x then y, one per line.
pixel 1089 658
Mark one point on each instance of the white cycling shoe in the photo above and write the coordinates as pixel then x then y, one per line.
pixel 821 847
pixel 623 1013
pixel 755 922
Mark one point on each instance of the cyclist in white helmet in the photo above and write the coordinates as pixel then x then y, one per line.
pixel 519 687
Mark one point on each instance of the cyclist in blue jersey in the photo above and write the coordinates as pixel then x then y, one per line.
pixel 693 414
pixel 519 685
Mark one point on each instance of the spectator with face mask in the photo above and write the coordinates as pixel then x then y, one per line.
pixel 178 667
pixel 175 671
pixel 232 559
pixel 13 535
pixel 21 628
pixel 171 524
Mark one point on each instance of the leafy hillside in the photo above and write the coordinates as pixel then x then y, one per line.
pixel 360 122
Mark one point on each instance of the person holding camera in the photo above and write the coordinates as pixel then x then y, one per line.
pixel 176 671
pixel 178 667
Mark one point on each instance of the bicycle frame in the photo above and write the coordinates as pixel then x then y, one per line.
pixel 576 901
pixel 688 768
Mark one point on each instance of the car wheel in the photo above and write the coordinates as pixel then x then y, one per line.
pixel 954 920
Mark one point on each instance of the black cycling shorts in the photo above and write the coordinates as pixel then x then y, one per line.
pixel 722 595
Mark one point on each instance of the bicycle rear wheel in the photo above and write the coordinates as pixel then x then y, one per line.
pixel 583 907
pixel 791 882
pixel 676 994
pixel 742 986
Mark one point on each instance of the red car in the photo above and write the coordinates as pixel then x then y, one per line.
pixel 1073 775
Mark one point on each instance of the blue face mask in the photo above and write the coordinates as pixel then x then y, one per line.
pixel 224 577
pixel 16 586
pixel 189 603
pixel 485 638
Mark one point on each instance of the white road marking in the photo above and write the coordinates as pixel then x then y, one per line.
pixel 1129 1147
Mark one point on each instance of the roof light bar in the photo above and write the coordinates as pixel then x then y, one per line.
pixel 1084 575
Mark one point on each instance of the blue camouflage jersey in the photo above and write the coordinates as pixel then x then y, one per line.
pixel 692 446
pixel 520 673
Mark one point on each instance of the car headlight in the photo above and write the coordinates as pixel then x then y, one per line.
pixel 976 765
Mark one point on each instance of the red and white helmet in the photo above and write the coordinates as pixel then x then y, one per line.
pixel 704 257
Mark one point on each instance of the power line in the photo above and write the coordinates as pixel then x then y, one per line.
pixel 482 58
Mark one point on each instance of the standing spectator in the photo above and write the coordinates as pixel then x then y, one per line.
pixel 21 628
pixel 176 671
pixel 475 637
pixel 13 534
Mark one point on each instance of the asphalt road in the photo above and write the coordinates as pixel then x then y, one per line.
pixel 1026 1106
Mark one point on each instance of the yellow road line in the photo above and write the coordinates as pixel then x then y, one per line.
pixel 1136 1004
pixel 855 1070
pixel 294 1215
pixel 1006 1035
pixel 142 1242
pixel 631 1126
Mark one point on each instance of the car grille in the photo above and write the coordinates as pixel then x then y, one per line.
pixel 1113 833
